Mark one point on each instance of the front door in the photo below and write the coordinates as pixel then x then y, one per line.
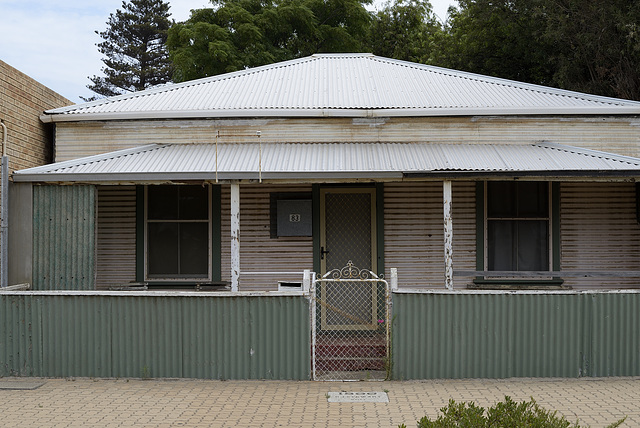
pixel 348 238
pixel 348 228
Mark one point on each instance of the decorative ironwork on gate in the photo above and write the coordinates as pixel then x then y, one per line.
pixel 350 314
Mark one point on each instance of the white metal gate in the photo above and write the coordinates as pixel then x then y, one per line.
pixel 350 310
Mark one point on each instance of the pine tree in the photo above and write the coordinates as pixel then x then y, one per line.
pixel 134 47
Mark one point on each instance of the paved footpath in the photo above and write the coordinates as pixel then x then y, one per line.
pixel 200 403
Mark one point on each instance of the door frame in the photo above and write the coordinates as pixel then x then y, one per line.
pixel 379 221
pixel 372 234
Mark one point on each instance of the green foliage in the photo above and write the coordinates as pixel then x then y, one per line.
pixel 134 48
pixel 404 30
pixel 598 45
pixel 506 414
pixel 237 34
pixel 498 38
pixel 589 46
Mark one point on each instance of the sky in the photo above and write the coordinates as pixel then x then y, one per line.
pixel 54 41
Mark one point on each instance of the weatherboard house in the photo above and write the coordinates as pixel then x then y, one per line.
pixel 271 222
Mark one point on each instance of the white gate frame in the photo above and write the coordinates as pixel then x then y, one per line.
pixel 348 273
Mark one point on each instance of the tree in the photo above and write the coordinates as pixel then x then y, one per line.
pixel 237 34
pixel 583 46
pixel 498 38
pixel 134 47
pixel 598 46
pixel 404 30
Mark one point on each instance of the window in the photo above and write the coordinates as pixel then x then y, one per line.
pixel 178 232
pixel 518 226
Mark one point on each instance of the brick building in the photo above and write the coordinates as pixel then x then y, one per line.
pixel 22 101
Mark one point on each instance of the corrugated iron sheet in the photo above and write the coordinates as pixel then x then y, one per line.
pixel 64 237
pixel 198 336
pixel 251 160
pixel 501 335
pixel 599 231
pixel 326 83
pixel 435 335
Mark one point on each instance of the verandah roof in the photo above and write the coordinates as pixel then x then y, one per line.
pixel 289 161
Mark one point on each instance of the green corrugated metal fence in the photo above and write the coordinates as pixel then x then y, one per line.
pixel 500 335
pixel 111 335
pixel 63 237
pixel 435 335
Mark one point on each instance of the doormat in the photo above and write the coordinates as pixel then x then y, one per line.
pixel 20 384
pixel 358 397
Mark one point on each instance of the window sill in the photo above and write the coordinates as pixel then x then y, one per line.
pixel 518 284
pixel 177 286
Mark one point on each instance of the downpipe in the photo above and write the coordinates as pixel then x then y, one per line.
pixel 4 211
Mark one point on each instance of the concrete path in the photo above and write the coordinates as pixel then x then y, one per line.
pixel 198 403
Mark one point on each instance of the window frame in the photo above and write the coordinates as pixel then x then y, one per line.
pixel 210 243
pixel 547 219
pixel 553 240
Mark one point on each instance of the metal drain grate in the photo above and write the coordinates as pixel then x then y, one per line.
pixel 20 384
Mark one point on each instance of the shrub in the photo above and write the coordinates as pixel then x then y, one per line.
pixel 506 414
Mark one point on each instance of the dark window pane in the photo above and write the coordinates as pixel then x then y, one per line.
pixel 518 245
pixel 162 202
pixel 194 202
pixel 162 249
pixel 501 199
pixel 194 249
pixel 533 199
pixel 533 245
pixel 502 249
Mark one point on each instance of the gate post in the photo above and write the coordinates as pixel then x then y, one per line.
pixel 312 324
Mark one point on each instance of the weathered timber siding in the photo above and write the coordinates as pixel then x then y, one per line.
pixel 501 335
pixel 116 240
pixel 414 232
pixel 258 251
pixel 197 336
pixel 599 231
pixel 610 134
pixel 64 237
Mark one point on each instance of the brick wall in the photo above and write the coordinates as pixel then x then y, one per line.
pixel 22 101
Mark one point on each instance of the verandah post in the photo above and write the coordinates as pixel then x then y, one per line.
pixel 235 235
pixel 448 235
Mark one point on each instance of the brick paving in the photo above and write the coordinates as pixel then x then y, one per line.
pixel 201 403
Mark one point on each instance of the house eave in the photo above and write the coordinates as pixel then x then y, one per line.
pixel 313 177
pixel 340 113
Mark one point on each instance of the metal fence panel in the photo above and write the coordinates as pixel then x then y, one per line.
pixel 63 237
pixel 129 334
pixel 500 335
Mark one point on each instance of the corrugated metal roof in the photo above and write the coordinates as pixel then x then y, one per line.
pixel 339 160
pixel 343 85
